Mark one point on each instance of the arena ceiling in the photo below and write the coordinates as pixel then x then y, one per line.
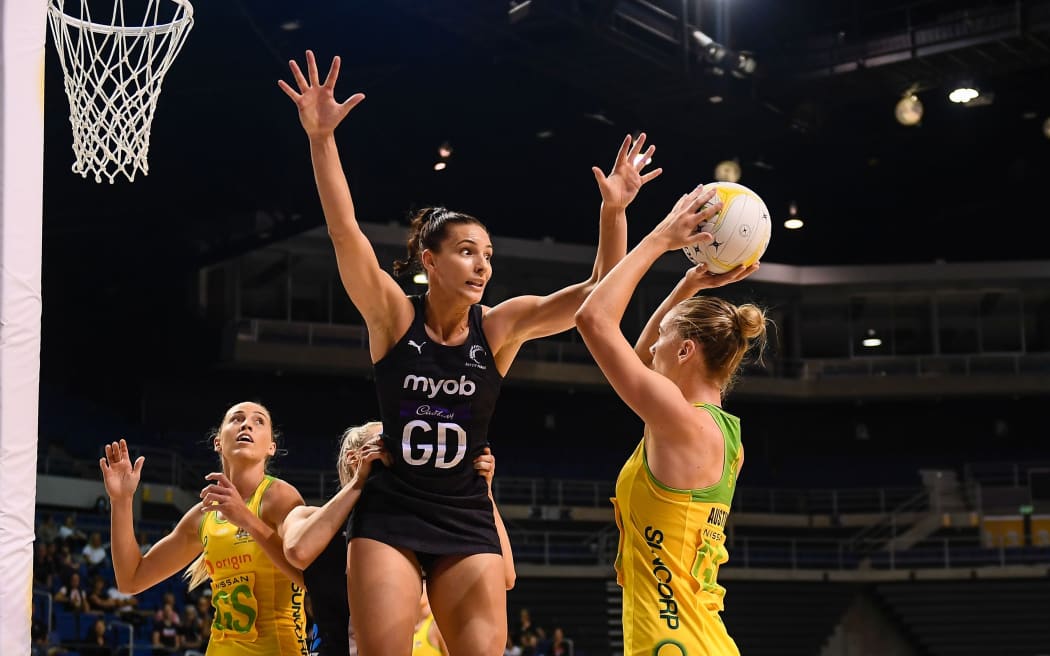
pixel 531 94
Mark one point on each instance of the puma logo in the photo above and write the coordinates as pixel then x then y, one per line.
pixel 418 347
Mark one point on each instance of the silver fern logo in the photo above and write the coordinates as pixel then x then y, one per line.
pixel 476 352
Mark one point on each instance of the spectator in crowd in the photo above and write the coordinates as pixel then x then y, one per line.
pixel 72 596
pixel 97 642
pixel 94 553
pixel 144 542
pixel 167 637
pixel 65 564
pixel 525 626
pixel 543 642
pixel 43 564
pixel 70 534
pixel 167 599
pixel 47 532
pixel 560 645
pixel 205 613
pixel 124 605
pixel 97 597
pixel 512 649
pixel 193 632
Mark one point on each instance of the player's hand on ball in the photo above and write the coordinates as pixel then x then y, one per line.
pixel 680 228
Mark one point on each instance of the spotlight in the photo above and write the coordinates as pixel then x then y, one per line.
pixel 909 110
pixel 519 10
pixel 445 150
pixel 440 166
pixel 793 221
pixel 964 94
pixel 728 171
pixel 739 63
pixel 745 64
pixel 420 278
pixel 1046 128
pixel 871 341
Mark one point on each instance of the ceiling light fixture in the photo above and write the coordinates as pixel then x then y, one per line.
pixel 1046 128
pixel 908 110
pixel 728 171
pixel 440 166
pixel 793 221
pixel 871 341
pixel 740 63
pixel 964 93
pixel 445 150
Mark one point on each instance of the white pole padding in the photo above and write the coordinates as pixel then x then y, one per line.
pixel 23 26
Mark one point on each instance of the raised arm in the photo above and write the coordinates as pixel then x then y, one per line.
pixel 379 299
pixel 133 571
pixel 519 319
pixel 652 396
pixel 307 530
pixel 278 500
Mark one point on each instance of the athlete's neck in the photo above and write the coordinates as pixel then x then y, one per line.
pixel 245 478
pixel 445 322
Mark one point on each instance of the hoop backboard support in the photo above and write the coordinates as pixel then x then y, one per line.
pixel 112 73
pixel 22 38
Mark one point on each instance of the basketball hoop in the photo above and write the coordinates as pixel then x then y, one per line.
pixel 112 75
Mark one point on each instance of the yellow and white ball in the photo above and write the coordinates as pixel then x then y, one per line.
pixel 741 230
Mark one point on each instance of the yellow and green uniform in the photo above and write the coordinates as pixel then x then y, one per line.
pixel 421 644
pixel 258 610
pixel 672 543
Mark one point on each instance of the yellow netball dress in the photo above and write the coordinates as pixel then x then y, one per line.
pixel 258 610
pixel 672 543
pixel 421 645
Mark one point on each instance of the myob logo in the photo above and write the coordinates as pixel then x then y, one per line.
pixel 431 387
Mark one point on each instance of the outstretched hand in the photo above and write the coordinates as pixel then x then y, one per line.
pixel 621 186
pixel 680 228
pixel 319 111
pixel 120 476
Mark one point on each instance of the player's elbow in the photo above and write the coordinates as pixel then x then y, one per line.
pixel 297 555
pixel 511 579
pixel 588 319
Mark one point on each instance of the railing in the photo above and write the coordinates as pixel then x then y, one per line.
pixel 569 547
pixel 875 536
pixel 562 349
pixel 48 599
pixel 1014 474
pixel 821 501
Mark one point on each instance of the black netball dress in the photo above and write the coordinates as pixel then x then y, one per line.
pixel 435 403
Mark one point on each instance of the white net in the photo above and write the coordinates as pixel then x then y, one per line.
pixel 112 75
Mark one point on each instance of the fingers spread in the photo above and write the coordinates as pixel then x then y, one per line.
pixel 311 68
pixel 297 73
pixel 333 73
pixel 289 91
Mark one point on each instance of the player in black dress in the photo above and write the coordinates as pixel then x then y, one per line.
pixel 314 539
pixel 439 361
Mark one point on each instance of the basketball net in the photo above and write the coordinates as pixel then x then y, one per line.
pixel 113 74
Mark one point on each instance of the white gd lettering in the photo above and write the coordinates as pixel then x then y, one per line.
pixel 425 450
